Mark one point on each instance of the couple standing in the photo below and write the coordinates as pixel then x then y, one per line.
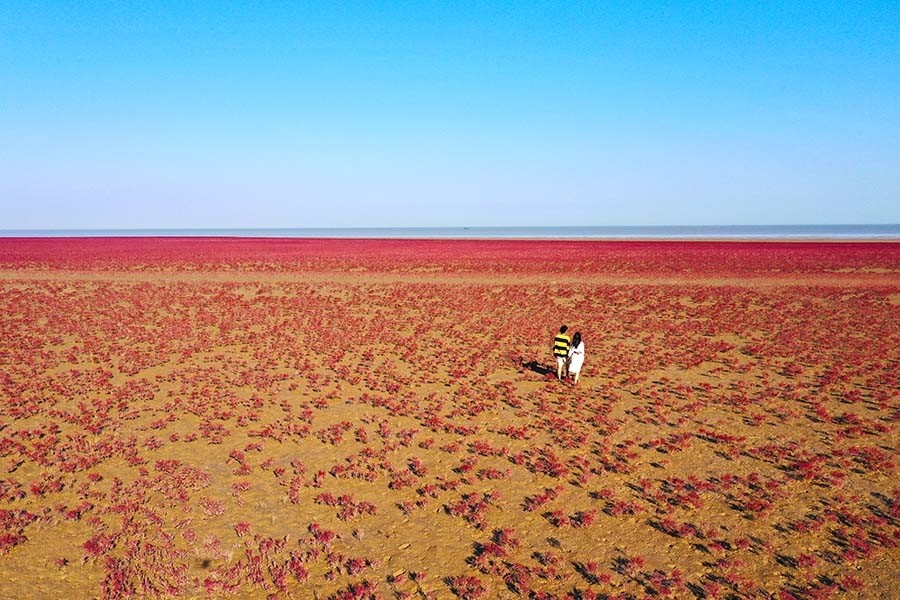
pixel 568 351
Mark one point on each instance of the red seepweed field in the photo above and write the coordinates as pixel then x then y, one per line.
pixel 303 418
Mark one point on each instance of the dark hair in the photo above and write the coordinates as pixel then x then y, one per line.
pixel 563 329
pixel 576 339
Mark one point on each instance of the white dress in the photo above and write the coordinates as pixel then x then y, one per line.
pixel 576 358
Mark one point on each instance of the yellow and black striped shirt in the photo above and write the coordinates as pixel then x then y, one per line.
pixel 561 345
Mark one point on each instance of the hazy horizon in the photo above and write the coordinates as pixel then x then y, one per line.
pixel 868 232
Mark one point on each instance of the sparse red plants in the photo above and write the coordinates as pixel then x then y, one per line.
pixel 349 508
pixel 473 507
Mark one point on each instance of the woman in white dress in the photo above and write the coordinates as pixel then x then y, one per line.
pixel 576 356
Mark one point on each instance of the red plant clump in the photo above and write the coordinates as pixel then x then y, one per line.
pixel 467 587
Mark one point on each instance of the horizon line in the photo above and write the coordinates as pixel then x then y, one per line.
pixel 776 232
pixel 463 227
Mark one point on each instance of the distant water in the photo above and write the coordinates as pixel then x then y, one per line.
pixel 699 232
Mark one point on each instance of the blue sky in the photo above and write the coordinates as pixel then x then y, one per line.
pixel 326 114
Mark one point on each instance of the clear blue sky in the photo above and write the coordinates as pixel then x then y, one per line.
pixel 293 114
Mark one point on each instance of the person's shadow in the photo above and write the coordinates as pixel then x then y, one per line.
pixel 537 367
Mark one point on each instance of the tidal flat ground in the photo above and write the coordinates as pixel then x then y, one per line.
pixel 323 418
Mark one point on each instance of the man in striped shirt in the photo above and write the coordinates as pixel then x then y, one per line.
pixel 561 345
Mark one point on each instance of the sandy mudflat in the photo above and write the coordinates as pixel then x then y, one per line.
pixel 356 419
